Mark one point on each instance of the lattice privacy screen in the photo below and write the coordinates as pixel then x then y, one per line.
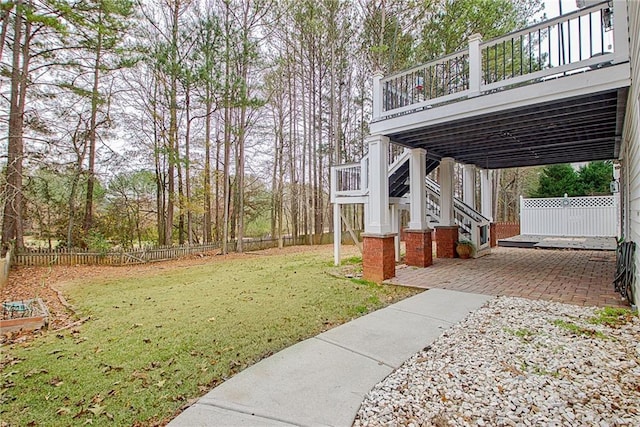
pixel 570 202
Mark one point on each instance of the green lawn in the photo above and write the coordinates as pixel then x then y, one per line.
pixel 156 341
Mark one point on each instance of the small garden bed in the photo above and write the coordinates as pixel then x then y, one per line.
pixel 26 315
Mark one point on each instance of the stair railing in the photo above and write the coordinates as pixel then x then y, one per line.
pixel 350 179
pixel 473 225
pixel 397 159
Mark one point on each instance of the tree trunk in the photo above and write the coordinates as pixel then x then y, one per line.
pixel 12 219
pixel 241 136
pixel 187 166
pixel 91 176
pixel 4 18
pixel 206 232
pixel 173 123
pixel 181 207
pixel 81 151
pixel 159 170
pixel 227 134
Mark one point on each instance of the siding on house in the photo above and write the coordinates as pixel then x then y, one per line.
pixel 631 144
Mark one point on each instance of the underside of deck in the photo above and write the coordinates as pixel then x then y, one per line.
pixel 573 118
pixel 582 128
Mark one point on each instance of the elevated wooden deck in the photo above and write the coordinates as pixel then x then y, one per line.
pixel 555 92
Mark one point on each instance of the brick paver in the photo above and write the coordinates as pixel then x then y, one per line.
pixel 573 277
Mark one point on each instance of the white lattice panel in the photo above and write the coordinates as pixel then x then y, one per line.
pixel 569 216
pixel 592 202
pixel 543 203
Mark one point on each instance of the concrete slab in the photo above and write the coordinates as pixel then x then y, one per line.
pixel 560 242
pixel 449 306
pixel 384 335
pixel 200 415
pixel 310 383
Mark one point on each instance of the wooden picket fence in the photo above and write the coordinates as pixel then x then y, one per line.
pixel 46 257
pixel 5 265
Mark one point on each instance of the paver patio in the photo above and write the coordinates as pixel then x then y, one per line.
pixel 574 277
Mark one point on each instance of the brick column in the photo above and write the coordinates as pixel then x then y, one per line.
pixel 446 238
pixel 493 238
pixel 419 248
pixel 378 257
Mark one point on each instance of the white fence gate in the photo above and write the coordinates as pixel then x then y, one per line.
pixel 594 216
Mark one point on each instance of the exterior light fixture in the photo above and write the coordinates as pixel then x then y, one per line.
pixel 614 186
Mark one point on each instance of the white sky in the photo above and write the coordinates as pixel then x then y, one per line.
pixel 552 7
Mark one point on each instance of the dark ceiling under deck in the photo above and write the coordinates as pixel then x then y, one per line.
pixel 577 129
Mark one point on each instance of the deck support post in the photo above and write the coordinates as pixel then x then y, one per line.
pixel 486 193
pixel 337 234
pixel 378 255
pixel 446 238
pixel 447 231
pixel 418 235
pixel 419 248
pixel 446 191
pixel 486 203
pixel 378 221
pixel 395 228
pixel 417 195
pixel 469 185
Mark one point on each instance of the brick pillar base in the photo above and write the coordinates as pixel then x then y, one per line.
pixel 419 248
pixel 493 238
pixel 378 257
pixel 446 238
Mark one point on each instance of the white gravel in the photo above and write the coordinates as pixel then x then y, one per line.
pixel 517 362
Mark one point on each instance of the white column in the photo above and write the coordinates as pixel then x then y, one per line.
pixel 395 228
pixel 469 185
pixel 446 191
pixel 475 64
pixel 486 193
pixel 337 233
pixel 417 195
pixel 378 222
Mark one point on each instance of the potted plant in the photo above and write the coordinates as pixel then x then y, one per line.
pixel 465 248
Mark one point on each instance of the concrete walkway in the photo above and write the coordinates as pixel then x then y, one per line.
pixel 323 380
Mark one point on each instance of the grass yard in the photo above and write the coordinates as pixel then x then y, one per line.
pixel 161 338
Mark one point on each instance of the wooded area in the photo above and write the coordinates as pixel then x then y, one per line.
pixel 196 121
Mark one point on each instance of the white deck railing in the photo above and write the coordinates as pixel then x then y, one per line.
pixel 352 179
pixel 571 43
